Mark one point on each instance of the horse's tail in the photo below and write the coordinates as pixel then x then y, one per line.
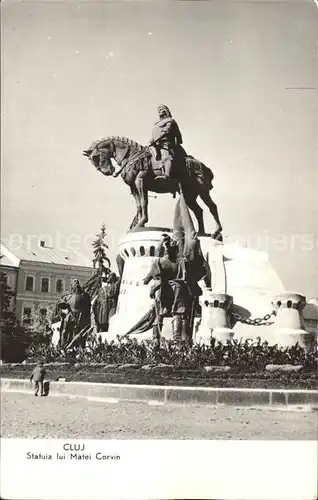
pixel 201 171
pixel 208 175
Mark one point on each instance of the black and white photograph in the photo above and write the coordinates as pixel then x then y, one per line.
pixel 159 249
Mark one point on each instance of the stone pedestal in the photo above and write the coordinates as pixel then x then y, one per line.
pixel 138 249
pixel 289 324
pixel 246 275
pixel 215 317
pixel 243 274
pixel 213 253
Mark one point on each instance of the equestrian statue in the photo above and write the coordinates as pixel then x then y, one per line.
pixel 162 166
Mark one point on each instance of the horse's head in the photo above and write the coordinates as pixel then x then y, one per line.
pixel 100 156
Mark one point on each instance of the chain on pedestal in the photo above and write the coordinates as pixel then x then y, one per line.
pixel 264 321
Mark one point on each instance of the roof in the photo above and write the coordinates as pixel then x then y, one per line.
pixel 34 252
pixel 5 261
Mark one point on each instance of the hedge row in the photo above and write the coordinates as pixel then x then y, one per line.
pixel 245 355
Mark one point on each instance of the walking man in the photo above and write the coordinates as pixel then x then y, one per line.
pixel 37 376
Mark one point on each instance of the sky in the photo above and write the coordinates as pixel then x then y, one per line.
pixel 240 78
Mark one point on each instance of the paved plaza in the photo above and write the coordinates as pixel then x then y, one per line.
pixel 26 416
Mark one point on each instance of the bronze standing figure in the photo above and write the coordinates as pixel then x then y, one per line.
pixel 174 297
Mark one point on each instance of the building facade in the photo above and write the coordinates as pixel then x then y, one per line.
pixel 39 276
pixel 311 315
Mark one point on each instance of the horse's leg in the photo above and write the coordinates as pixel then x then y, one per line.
pixel 143 198
pixel 137 217
pixel 191 201
pixel 134 222
pixel 206 198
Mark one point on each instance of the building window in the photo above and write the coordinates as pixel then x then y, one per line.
pixel 29 283
pixel 45 285
pixel 59 287
pixel 26 318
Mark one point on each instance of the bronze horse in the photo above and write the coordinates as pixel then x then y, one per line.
pixel 138 168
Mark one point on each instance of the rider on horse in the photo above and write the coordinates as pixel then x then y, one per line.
pixel 167 140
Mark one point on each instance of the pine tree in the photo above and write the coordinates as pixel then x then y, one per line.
pixel 100 250
pixel 93 285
